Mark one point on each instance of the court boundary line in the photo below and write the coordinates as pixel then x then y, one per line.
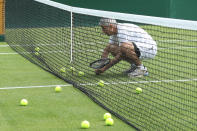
pixel 15 53
pixel 106 83
pixel 141 82
pixel 25 87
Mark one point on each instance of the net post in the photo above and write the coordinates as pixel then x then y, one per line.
pixel 2 19
pixel 71 37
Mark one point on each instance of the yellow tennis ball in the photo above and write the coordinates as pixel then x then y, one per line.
pixel 85 124
pixel 23 102
pixel 72 68
pixel 101 83
pixel 37 49
pixel 109 121
pixel 36 53
pixel 58 89
pixel 138 90
pixel 106 115
pixel 63 70
pixel 80 73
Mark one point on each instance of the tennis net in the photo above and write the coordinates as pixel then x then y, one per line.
pixel 57 37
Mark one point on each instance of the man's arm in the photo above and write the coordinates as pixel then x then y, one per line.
pixel 106 52
pixel 114 61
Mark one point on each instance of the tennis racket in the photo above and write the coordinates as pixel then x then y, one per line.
pixel 99 63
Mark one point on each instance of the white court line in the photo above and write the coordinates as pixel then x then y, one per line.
pixel 8 53
pixel 139 82
pixel 178 47
pixel 63 44
pixel 23 87
pixel 15 53
pixel 94 43
pixel 93 84
pixel 4 45
pixel 195 40
pixel 26 45
pixel 5 53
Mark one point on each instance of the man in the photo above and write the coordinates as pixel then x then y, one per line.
pixel 127 42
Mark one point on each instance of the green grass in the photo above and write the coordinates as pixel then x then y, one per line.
pixel 169 93
pixel 47 110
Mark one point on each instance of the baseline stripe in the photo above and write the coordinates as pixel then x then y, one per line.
pixel 93 84
pixel 8 53
pixel 23 87
pixel 139 82
pixel 5 53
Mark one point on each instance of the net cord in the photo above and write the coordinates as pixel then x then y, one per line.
pixel 166 22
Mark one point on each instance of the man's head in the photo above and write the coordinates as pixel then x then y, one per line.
pixel 109 26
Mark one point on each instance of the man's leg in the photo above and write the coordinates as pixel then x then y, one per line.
pixel 132 56
pixel 131 69
pixel 129 51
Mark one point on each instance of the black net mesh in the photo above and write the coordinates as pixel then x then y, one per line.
pixel 42 34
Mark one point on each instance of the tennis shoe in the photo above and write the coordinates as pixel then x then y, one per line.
pixel 131 69
pixel 139 72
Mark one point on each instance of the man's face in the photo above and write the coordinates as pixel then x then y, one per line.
pixel 108 30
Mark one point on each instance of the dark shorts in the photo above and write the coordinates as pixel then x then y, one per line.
pixel 137 51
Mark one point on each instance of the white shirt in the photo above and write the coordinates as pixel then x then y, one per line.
pixel 130 33
pixel 137 35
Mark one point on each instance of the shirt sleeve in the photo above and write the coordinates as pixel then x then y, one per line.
pixel 113 39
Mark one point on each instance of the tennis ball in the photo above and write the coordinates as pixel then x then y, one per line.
pixel 109 122
pixel 106 115
pixel 63 70
pixel 58 89
pixel 24 102
pixel 37 49
pixel 101 83
pixel 138 90
pixel 72 68
pixel 85 124
pixel 36 53
pixel 80 73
